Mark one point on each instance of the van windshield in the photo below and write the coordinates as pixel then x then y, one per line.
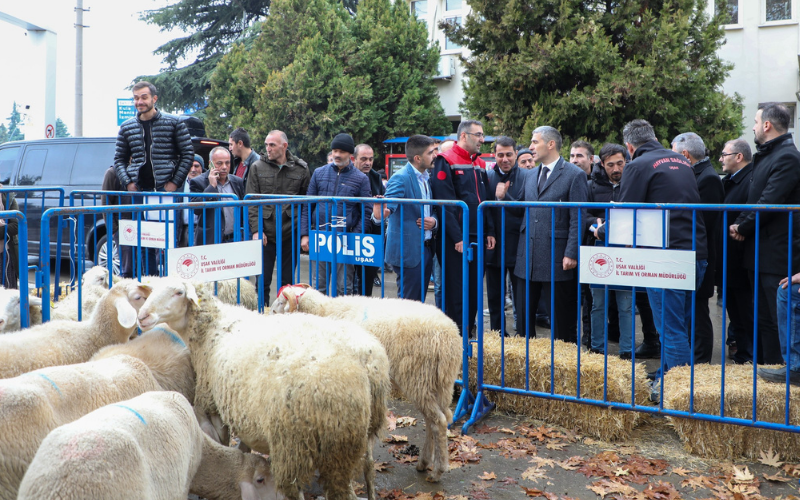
pixel 8 158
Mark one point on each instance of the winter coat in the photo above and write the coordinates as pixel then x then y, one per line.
pixel 711 192
pixel 329 180
pixel 736 188
pixel 506 237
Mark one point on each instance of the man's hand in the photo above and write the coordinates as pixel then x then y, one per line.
pixel 132 186
pixel 263 239
pixel 213 177
pixel 379 213
pixel 597 229
pixel 304 243
pixel 785 281
pixel 501 190
pixel 430 223
pixel 568 263
pixel 460 247
pixel 733 231
pixel 490 242
pixel 171 187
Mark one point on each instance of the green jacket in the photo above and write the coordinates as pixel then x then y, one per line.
pixel 267 177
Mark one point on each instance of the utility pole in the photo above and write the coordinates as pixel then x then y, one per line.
pixel 79 68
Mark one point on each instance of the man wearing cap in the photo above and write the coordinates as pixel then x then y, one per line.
pixel 525 159
pixel 198 165
pixel 338 178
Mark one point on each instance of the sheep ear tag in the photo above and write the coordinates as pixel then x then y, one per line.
pixel 126 314
pixel 191 294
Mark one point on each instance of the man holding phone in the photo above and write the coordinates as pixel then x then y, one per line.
pixel 216 180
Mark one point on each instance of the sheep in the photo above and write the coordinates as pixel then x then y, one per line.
pixel 147 447
pixel 35 403
pixel 303 399
pixel 10 320
pixel 227 293
pixel 98 276
pixel 424 350
pixel 94 283
pixel 67 342
pixel 165 353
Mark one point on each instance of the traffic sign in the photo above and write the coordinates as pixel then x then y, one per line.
pixel 49 131
pixel 125 110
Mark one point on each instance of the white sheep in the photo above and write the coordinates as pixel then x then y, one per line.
pixel 68 342
pixel 10 320
pixel 147 447
pixel 98 276
pixel 165 353
pixel 37 402
pixel 248 295
pixel 424 350
pixel 304 399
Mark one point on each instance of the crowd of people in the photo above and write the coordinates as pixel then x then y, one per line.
pixel 531 250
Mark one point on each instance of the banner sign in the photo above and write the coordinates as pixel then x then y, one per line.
pixel 216 262
pixel 125 110
pixel 154 234
pixel 640 267
pixel 351 248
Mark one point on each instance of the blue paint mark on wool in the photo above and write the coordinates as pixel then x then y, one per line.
pixel 51 383
pixel 171 335
pixel 134 412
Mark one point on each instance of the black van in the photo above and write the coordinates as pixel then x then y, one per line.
pixel 74 163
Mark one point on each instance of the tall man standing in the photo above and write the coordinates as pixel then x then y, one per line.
pixel 280 173
pixel 243 156
pixel 776 180
pixel 736 161
pixel 554 180
pixel 410 237
pixel 460 174
pixel 153 153
pixel 363 157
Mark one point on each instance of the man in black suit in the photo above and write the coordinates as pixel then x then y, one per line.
pixel 363 157
pixel 776 181
pixel 736 159
pixel 216 180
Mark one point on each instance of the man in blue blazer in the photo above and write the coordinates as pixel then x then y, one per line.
pixel 554 180
pixel 411 233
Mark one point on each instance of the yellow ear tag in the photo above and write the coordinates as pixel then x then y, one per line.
pixel 52 304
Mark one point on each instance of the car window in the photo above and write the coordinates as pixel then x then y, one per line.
pixel 91 162
pixel 58 165
pixel 8 159
pixel 32 166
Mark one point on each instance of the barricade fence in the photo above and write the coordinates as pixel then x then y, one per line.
pixel 14 233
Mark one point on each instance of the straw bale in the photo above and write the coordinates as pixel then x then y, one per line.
pixel 728 441
pixel 600 422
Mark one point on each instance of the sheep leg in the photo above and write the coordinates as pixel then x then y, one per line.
pixel 369 472
pixel 243 447
pixel 426 454
pixel 437 430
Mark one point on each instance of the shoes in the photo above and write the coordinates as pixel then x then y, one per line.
pixel 732 349
pixel 431 285
pixel 625 355
pixel 376 281
pixel 509 303
pixel 655 391
pixel 652 375
pixel 647 351
pixel 779 375
pixel 543 322
pixel 596 351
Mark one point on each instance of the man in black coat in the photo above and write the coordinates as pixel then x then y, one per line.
pixel 692 147
pixel 776 180
pixel 507 181
pixel 736 159
pixel 216 180
pixel 363 158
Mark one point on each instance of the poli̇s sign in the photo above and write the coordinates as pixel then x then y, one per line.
pixel 350 248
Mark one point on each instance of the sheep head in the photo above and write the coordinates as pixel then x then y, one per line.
pixel 126 296
pixel 169 301
pixel 10 319
pixel 255 479
pixel 288 297
pixel 96 276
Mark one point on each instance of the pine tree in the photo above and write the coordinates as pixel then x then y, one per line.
pixel 14 133
pixel 3 133
pixel 61 129
pixel 588 67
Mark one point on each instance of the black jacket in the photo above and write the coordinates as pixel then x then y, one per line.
pixel 207 217
pixel 775 181
pixel 711 192
pixel 736 191
pixel 172 152
pixel 601 190
pixel 508 238
pixel 658 175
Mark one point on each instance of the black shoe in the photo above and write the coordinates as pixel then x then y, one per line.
pixel 376 281
pixel 543 322
pixel 596 351
pixel 652 375
pixel 779 375
pixel 625 355
pixel 647 351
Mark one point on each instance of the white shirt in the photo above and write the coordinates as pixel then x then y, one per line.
pixel 425 189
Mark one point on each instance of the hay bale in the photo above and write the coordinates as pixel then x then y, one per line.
pixel 596 421
pixel 726 441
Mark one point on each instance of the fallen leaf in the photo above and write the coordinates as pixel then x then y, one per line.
pixel 742 476
pixel 693 482
pixel 507 481
pixel 451 434
pixel 572 463
pixel 423 496
pixel 604 487
pixel 621 472
pixel 661 491
pixel 534 474
pixel 770 458
pixel 792 470
pixel 406 421
pixel 358 488
pixel 456 497
pixel 555 445
pixel 391 422
pixel 395 494
pixel 485 429
pixel 488 476
pixel 777 478
pixel 535 493
pixel 382 466
pixel 680 471
pixel 394 438
pixel 591 442
pixel 506 430
pixel 541 461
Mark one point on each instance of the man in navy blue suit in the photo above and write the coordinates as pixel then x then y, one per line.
pixel 411 233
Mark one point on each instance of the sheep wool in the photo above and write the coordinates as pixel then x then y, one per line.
pixel 424 350
pixel 35 403
pixel 10 319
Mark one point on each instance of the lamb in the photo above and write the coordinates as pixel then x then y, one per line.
pixel 147 447
pixel 10 319
pixel 304 399
pixel 35 403
pixel 227 293
pixel 165 353
pixel 424 350
pixel 94 283
pixel 68 342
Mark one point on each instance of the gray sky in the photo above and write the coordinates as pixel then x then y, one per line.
pixel 117 48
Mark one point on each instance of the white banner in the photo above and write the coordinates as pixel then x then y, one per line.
pixel 154 234
pixel 216 262
pixel 640 267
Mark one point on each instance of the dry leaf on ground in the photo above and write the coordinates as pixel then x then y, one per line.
pixel 487 476
pixel 770 458
pixel 534 474
pixel 395 438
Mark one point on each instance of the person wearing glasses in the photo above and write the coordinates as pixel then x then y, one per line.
pixel 460 174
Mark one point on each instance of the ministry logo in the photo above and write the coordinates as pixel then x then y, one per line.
pixel 601 265
pixel 187 266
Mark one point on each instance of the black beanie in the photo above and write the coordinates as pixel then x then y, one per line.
pixel 344 142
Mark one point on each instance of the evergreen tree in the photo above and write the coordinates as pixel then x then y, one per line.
pixel 61 129
pixel 14 133
pixel 587 67
pixel 3 133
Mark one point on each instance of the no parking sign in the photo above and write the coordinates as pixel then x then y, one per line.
pixel 49 131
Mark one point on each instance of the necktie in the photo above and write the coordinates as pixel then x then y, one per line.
pixel 543 178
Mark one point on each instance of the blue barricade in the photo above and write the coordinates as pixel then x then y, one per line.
pixel 8 280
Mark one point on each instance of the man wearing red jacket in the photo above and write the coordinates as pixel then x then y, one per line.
pixel 460 174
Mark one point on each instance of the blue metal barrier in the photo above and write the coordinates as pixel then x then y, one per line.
pixel 692 412
pixel 22 255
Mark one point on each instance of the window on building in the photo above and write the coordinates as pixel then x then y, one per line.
pixel 449 44
pixel 420 10
pixel 778 10
pixel 452 5
pixel 728 10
